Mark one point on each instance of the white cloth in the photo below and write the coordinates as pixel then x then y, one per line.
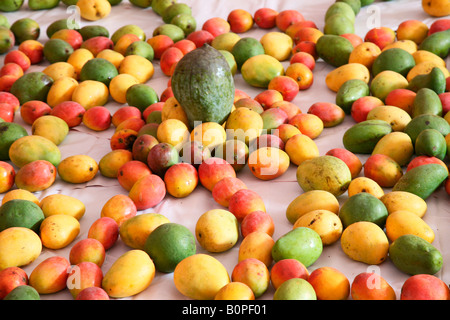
pixel 278 193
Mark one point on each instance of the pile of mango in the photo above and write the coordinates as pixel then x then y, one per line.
pixel 393 84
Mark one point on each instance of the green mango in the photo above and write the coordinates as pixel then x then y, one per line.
pixel 42 4
pixel 333 49
pixel 354 4
pixel 10 132
pixel 426 102
pixel 141 48
pixel 11 5
pixel 170 30
pixel 57 50
pixel 23 292
pixel 173 10
pixel 340 8
pixel 303 244
pixel 32 86
pixel 7 40
pixel 363 207
pixel 69 2
pixel 350 91
pixel 395 59
pixel 129 28
pixel 426 121
pixel 142 3
pixel 435 80
pixel 56 26
pixel 186 22
pixel 158 6
pixel 422 180
pixel 366 2
pixel 414 255
pixel 363 136
pixel 25 29
pixel 437 43
pixel 339 24
pixel 4 21
pixel 431 142
pixel 92 31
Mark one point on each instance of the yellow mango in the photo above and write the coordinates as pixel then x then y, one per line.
pixel 406 44
pixel 60 69
pixel 18 247
pixel 78 169
pixel 119 85
pixel 93 10
pixel 365 242
pixel 58 231
pixel 402 200
pixel 403 222
pixel 135 230
pixel 129 275
pixel 364 184
pixel 396 117
pixel 62 204
pixel 326 223
pixel 173 110
pixel 397 145
pixel 436 8
pixel 309 201
pixel 61 90
pixel 336 78
pixel 365 54
pixel 78 58
pixel 51 127
pixel 277 44
pixel 137 66
pixel 424 55
pixel 257 245
pixel 200 276
pixel 217 230
pixel 91 93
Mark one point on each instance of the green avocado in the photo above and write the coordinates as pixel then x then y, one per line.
pixel 414 255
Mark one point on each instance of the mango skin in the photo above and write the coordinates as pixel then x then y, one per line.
pixel 414 255
pixel 422 180
pixel 363 136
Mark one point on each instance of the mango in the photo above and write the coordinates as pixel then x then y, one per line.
pixel 11 5
pixel 29 148
pixel 366 242
pixel 295 289
pixel 433 80
pixel 51 127
pixel 129 275
pixel 422 180
pixel 401 222
pixel 431 142
pixel 404 201
pixel 395 59
pixel 256 75
pixel 257 245
pixel 426 121
pixel 326 223
pixel 324 173
pixel 385 82
pixel 363 207
pixel 437 43
pixel 50 275
pixel 413 255
pixel 42 4
pixel 19 247
pixel 363 136
pixel 396 117
pixel 23 292
pixel 200 276
pixel 310 201
pixel 334 50
pixel 362 288
pixel 62 204
pixel 397 145
pixel 350 91
pixel 36 176
pixel 58 231
pixel 32 86
pixel 364 184
pixel 7 39
pixel 77 169
pixel 339 24
pixel 424 287
pixel 426 102
pixel 302 243
pixel 10 132
pixel 337 77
